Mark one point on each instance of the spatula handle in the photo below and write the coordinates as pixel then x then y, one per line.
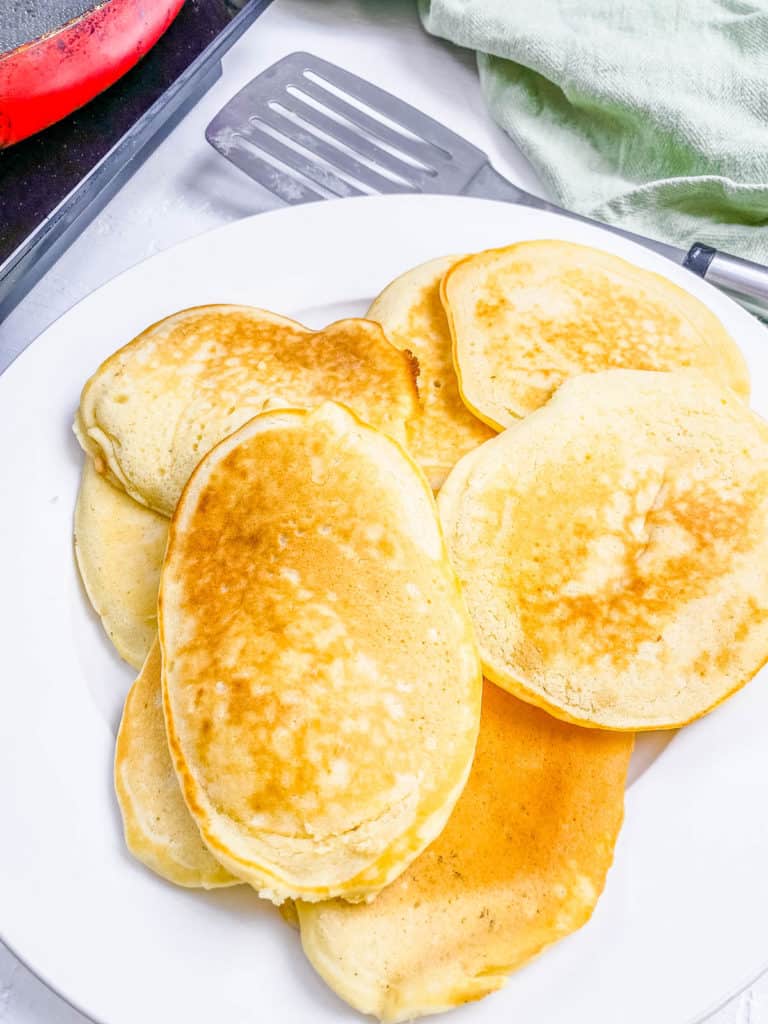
pixel 745 281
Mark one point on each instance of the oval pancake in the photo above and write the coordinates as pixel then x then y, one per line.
pixel 320 675
pixel 119 547
pixel 413 318
pixel 159 830
pixel 155 407
pixel 520 864
pixel 529 316
pixel 613 548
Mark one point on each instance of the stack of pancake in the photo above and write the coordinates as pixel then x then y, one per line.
pixel 408 721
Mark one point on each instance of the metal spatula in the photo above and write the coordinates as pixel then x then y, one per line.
pixel 306 129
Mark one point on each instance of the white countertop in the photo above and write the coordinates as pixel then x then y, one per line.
pixel 185 188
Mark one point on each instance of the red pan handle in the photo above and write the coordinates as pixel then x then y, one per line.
pixel 45 80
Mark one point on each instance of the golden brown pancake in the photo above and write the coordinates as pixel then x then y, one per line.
pixel 159 829
pixel 320 676
pixel 410 311
pixel 529 316
pixel 155 407
pixel 520 864
pixel 613 548
pixel 119 546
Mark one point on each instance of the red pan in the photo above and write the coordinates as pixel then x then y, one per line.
pixel 56 55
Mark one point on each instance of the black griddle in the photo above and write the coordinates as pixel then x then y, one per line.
pixel 23 20
pixel 51 185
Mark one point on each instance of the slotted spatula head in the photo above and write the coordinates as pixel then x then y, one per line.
pixel 306 129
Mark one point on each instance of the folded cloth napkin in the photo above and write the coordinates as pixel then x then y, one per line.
pixel 648 113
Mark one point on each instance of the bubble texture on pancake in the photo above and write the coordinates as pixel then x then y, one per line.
pixel 119 546
pixel 155 407
pixel 320 675
pixel 520 864
pixel 159 829
pixel 613 548
pixel 529 316
pixel 413 318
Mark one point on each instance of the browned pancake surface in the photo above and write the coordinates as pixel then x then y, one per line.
pixel 527 317
pixel 321 679
pixel 155 407
pixel 519 865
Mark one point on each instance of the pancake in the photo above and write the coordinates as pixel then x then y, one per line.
pixel 119 546
pixel 155 407
pixel 159 829
pixel 320 675
pixel 613 548
pixel 410 311
pixel 289 913
pixel 520 864
pixel 529 316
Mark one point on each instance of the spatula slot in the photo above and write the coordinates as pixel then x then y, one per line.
pixel 373 112
pixel 273 174
pixel 336 151
pixel 301 160
pixel 372 125
pixel 335 124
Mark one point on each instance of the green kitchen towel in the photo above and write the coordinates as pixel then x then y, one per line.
pixel 648 113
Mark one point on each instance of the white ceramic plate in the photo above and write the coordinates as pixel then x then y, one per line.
pixel 683 921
